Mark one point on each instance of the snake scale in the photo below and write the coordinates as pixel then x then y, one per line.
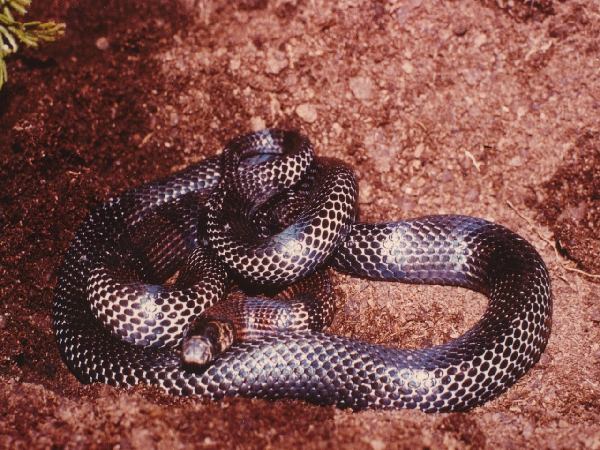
pixel 149 261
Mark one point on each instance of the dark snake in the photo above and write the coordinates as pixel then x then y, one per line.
pixel 149 233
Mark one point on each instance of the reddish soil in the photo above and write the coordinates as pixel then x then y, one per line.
pixel 487 108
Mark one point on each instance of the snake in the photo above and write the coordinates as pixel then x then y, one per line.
pixel 149 261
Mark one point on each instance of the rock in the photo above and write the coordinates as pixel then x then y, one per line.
pixel 307 112
pixel 257 123
pixel 276 62
pixel 102 43
pixel 362 87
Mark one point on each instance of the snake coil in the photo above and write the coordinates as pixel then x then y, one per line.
pixel 151 260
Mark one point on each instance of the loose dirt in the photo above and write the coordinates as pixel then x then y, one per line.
pixel 488 108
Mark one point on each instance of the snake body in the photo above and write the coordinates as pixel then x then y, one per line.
pixel 147 234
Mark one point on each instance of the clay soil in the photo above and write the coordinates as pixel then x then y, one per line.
pixel 488 108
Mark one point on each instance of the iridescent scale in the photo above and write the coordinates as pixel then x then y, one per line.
pixel 146 263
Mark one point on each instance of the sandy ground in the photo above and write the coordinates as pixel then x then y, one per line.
pixel 485 108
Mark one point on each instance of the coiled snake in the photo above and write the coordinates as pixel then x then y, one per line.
pixel 146 263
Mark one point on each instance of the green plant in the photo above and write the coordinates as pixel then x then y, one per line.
pixel 28 33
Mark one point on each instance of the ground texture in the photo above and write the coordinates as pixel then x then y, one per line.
pixel 488 108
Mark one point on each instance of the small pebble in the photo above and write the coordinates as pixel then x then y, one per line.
pixel 407 67
pixel 257 123
pixel 102 44
pixel 472 195
pixel 276 62
pixel 460 29
pixel 362 87
pixel 307 112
